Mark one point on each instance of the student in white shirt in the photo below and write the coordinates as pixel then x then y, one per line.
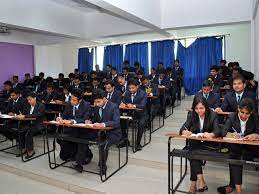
pixel 242 124
pixel 204 121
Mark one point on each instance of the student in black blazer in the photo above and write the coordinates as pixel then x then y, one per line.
pixel 28 82
pixel 50 94
pixel 123 85
pixel 153 74
pixel 201 120
pixel 112 94
pixel 15 106
pixel 212 98
pixel 77 84
pixel 77 111
pixel 232 98
pixel 242 124
pixel 33 109
pixel 216 78
pixel 135 97
pixel 152 91
pixel 16 84
pixel 106 114
pixel 177 75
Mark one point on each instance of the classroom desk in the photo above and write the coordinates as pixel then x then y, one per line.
pixel 19 132
pixel 131 112
pixel 99 142
pixel 217 157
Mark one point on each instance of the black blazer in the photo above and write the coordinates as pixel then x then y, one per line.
pixel 252 125
pixel 110 116
pixel 47 98
pixel 38 113
pixel 140 99
pixel 230 103
pixel 16 107
pixel 210 126
pixel 154 87
pixel 116 97
pixel 19 86
pixel 81 87
pixel 213 99
pixel 83 112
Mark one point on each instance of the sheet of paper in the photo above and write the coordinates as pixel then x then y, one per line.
pixel 233 139
pixel 5 116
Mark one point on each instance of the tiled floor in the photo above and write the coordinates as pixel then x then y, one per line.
pixel 146 172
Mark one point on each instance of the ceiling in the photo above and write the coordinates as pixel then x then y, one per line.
pixel 65 21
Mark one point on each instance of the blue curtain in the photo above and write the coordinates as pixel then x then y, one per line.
pixel 137 52
pixel 113 55
pixel 197 59
pixel 162 51
pixel 85 60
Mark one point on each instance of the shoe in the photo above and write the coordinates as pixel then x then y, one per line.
pixel 88 160
pixel 21 154
pixel 78 168
pixel 28 157
pixel 222 190
pixel 205 188
pixel 138 148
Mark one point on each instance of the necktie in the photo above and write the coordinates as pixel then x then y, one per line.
pixel 123 88
pixel 109 96
pixel 132 98
pixel 100 112
pixel 74 111
pixel 238 98
pixel 206 96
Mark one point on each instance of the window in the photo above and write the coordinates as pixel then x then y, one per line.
pixel 99 54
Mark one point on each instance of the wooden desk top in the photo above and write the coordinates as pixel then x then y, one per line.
pixel 55 103
pixel 77 125
pixel 218 140
pixel 221 113
pixel 128 108
pixel 152 97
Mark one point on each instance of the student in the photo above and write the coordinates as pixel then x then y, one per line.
pixel 16 84
pixel 112 94
pixel 28 82
pixel 216 78
pixel 33 109
pixel 77 84
pixel 5 93
pixel 244 123
pixel 201 120
pixel 42 81
pixel 162 81
pixel 232 98
pixel 77 111
pixel 107 73
pixel 153 74
pixel 138 68
pixel 125 72
pixel 207 92
pixel 136 98
pixel 178 77
pixel 106 114
pixel 60 82
pixel 50 94
pixel 15 106
pixel 114 74
pixel 123 85
pixel 151 90
pixel 71 77
pixel 66 95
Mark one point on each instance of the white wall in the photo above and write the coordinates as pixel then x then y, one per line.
pixel 55 59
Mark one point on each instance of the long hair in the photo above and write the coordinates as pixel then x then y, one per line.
pixel 195 116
